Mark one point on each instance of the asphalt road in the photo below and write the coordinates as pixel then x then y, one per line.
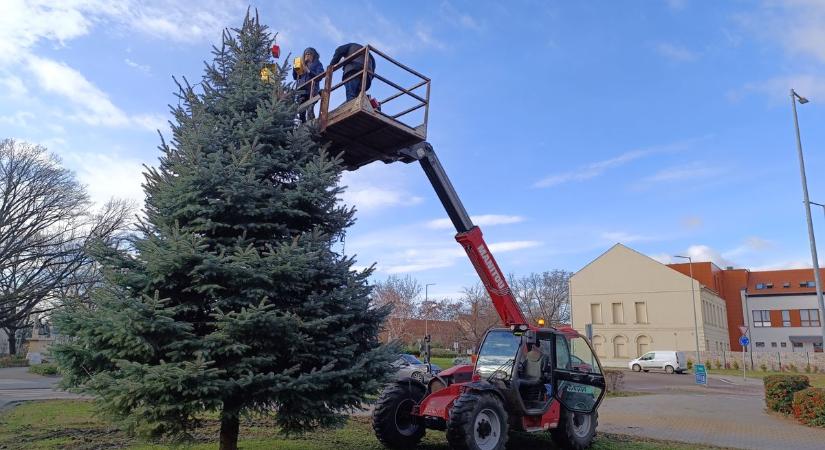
pixel 729 412
pixel 17 384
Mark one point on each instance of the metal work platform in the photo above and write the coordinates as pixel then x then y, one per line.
pixel 360 132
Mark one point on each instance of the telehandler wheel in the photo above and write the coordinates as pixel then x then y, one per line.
pixel 478 421
pixel 575 431
pixel 392 419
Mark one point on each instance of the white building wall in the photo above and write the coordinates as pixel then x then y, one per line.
pixel 624 276
pixel 778 335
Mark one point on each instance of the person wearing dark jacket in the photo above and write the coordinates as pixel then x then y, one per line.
pixel 310 68
pixel 353 87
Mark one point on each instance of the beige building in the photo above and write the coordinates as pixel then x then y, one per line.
pixel 637 304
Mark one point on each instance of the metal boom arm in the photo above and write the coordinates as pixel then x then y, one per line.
pixel 469 235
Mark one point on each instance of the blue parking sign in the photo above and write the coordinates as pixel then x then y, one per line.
pixel 701 374
pixel 744 341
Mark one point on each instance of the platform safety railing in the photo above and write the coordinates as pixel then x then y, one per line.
pixel 321 89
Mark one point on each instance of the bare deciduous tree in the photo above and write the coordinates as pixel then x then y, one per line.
pixel 400 293
pixel 45 228
pixel 543 296
pixel 477 314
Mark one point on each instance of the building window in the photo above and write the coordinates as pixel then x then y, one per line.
pixel 596 313
pixel 760 344
pixel 769 286
pixel 783 344
pixel 810 317
pixel 797 345
pixel 760 285
pixel 598 346
pixel 807 284
pixel 761 318
pixel 620 347
pixel 641 312
pixel 773 344
pixel 786 318
pixel 618 313
pixel 786 284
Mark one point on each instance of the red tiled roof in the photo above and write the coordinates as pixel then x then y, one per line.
pixel 779 277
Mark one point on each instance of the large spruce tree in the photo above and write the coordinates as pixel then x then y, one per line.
pixel 231 298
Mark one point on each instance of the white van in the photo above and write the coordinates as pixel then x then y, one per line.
pixel 669 361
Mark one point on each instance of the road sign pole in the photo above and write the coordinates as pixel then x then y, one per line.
pixel 744 341
pixel 744 377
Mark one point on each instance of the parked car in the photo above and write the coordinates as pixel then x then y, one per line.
pixel 669 361
pixel 411 367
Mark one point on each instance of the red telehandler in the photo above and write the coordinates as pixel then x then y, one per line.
pixel 525 377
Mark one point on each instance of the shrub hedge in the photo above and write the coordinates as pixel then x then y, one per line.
pixel 44 369
pixel 779 391
pixel 809 406
pixel 13 361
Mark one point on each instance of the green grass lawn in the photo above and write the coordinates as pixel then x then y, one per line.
pixel 444 363
pixel 71 424
pixel 817 379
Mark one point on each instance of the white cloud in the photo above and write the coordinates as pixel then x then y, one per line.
pixel 598 168
pixel 481 220
pixel 91 105
pixel 794 24
pixel 418 260
pixel 141 67
pixel 701 253
pixel 692 171
pixel 107 176
pixel 511 246
pixel 26 24
pixel 624 237
pixel 376 187
pixel 368 198
pixel 676 52
pixel 778 88
pixel 676 5
pixel 13 87
pixel 18 119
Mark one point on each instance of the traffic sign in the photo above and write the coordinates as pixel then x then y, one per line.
pixel 743 329
pixel 701 374
pixel 744 341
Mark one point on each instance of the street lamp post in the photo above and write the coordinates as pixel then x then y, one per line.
pixel 693 295
pixel 814 258
pixel 426 300
pixel 426 323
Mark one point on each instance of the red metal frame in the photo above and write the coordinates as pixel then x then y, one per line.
pixel 492 277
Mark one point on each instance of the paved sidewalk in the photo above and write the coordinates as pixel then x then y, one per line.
pixel 726 420
pixel 17 384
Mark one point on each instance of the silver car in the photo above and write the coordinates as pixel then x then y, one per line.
pixel 411 367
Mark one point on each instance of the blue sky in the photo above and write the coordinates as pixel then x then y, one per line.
pixel 565 126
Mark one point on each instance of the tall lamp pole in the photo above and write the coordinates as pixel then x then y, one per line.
pixel 426 301
pixel 693 295
pixel 814 258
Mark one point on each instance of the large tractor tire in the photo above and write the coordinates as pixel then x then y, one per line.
pixel 575 431
pixel 478 421
pixel 392 419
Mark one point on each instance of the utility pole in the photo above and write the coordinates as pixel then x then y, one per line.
pixel 693 295
pixel 814 258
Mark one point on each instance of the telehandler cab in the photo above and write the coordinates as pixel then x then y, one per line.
pixel 524 378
